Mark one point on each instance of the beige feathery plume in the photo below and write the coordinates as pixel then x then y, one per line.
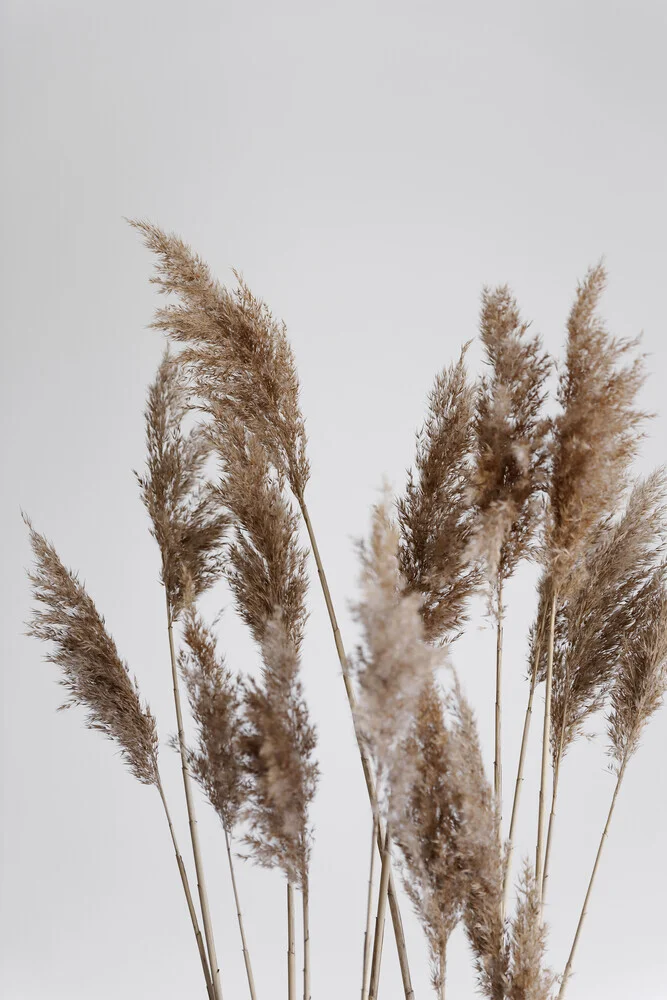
pixel 434 513
pixel 96 678
pixel 427 831
pixel 237 355
pixel 215 702
pixel 480 853
pixel 393 662
pixel 266 567
pixel 595 438
pixel 187 521
pixel 638 690
pixel 529 980
pixel 92 672
pixel 511 437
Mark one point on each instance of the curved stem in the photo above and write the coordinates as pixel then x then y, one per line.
pixel 239 917
pixel 554 793
pixel 192 820
pixel 568 968
pixel 188 895
pixel 365 762
pixel 497 763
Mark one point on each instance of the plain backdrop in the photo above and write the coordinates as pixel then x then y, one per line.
pixel 368 167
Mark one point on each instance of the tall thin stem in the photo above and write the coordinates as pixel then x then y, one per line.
pixel 380 918
pixel 442 972
pixel 239 916
pixel 546 731
pixel 584 909
pixel 366 968
pixel 188 895
pixel 189 801
pixel 497 763
pixel 291 949
pixel 519 780
pixel 305 899
pixel 554 792
pixel 365 761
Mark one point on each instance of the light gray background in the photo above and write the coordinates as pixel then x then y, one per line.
pixel 368 167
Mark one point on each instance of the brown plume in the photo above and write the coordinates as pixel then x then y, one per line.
pixel 596 435
pixel 594 622
pixel 434 514
pixel 215 702
pixel 511 437
pixel 641 677
pixel 187 520
pixel 278 745
pixel 393 662
pixel 237 355
pixel 529 980
pixel 92 671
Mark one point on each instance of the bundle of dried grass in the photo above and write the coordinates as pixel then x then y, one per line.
pixel 637 692
pixel 96 678
pixel 241 369
pixel 595 438
pixel 187 521
pixel 435 512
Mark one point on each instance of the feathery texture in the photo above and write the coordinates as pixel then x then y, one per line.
pixel 596 435
pixel 511 437
pixel 92 672
pixel 528 978
pixel 266 563
pixel 593 624
pixel 188 522
pixel 278 745
pixel 480 854
pixel 393 662
pixel 215 702
pixel 237 355
pixel 434 514
pixel 641 677
pixel 427 830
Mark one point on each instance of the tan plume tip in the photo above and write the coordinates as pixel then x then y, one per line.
pixel 435 512
pixel 238 356
pixel 511 436
pixel 529 979
pixel 188 520
pixel 92 671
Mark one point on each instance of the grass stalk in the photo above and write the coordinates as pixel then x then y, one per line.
pixel 239 916
pixel 380 919
pixel 519 781
pixel 291 946
pixel 192 820
pixel 366 967
pixel 365 762
pixel 497 763
pixel 554 798
pixel 546 731
pixel 443 973
pixel 305 899
pixel 584 909
pixel 188 896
